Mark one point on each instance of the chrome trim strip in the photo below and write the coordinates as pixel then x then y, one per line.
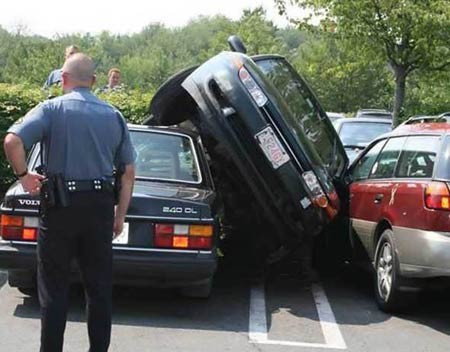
pixel 21 243
pixel 120 248
pixel 197 164
pixel 21 210
pixel 148 217
pixel 139 249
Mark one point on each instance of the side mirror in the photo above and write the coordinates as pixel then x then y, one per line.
pixel 236 44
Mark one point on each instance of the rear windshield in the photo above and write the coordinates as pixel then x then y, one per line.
pixel 165 157
pixel 304 119
pixel 443 165
pixel 360 134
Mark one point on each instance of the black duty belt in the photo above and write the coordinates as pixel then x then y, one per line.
pixel 99 185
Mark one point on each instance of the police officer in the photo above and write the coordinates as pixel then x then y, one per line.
pixel 82 138
pixel 55 76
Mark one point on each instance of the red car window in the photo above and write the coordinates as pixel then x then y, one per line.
pixel 364 165
pixel 385 166
pixel 418 157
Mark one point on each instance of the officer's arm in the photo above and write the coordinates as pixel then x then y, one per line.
pixel 15 153
pixel 124 198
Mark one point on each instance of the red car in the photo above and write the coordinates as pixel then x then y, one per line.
pixel 400 208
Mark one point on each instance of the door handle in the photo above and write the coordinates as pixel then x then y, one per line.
pixel 378 198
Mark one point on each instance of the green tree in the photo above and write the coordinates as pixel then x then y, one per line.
pixel 259 34
pixel 342 75
pixel 410 35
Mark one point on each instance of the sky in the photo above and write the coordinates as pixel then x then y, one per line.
pixel 51 17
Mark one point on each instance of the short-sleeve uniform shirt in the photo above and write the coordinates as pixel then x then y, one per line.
pixel 54 77
pixel 83 137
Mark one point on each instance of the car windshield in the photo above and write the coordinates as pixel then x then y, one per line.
pixel 165 157
pixel 356 133
pixel 305 122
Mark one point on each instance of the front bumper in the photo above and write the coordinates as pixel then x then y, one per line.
pixel 422 254
pixel 137 266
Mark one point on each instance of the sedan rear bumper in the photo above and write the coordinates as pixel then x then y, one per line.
pixel 160 268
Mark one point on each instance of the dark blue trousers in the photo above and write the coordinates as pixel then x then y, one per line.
pixel 82 231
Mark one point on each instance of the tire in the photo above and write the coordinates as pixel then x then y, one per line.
pixel 197 291
pixel 387 279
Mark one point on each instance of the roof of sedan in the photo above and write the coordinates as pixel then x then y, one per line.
pixel 163 129
pixel 362 120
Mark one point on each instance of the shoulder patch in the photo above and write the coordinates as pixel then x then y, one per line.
pixel 29 113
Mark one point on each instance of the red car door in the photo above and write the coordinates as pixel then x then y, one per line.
pixel 371 191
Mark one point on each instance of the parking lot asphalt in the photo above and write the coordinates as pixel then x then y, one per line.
pixel 279 313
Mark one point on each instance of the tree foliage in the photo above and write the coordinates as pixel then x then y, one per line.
pixel 344 64
pixel 410 35
pixel 342 75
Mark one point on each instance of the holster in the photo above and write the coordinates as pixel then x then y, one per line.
pixel 54 192
pixel 47 194
pixel 61 191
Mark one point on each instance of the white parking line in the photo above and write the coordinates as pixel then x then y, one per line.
pixel 258 323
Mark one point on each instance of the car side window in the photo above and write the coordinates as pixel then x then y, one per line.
pixel 364 165
pixel 186 163
pixel 418 157
pixel 385 166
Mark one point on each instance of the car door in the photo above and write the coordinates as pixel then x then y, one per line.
pixel 370 192
pixel 406 207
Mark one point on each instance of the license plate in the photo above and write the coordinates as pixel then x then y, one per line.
pixel 123 236
pixel 272 147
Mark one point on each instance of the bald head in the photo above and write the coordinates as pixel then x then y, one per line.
pixel 78 71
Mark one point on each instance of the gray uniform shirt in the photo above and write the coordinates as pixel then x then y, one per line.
pixel 53 78
pixel 84 138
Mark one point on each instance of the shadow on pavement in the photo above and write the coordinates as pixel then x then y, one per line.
pixel 350 294
pixel 349 291
pixel 226 309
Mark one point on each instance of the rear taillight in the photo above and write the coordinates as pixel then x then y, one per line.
pixel 437 196
pixel 19 228
pixel 255 91
pixel 183 236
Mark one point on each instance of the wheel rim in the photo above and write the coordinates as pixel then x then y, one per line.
pixel 384 271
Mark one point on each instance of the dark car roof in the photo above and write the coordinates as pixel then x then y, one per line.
pixel 374 112
pixel 363 120
pixel 190 133
pixel 339 122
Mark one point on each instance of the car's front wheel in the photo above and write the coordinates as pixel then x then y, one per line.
pixel 387 277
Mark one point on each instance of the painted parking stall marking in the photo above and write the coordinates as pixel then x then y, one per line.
pixel 258 333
